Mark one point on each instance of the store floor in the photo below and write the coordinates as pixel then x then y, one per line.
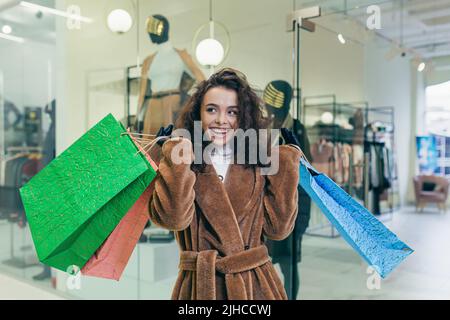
pixel 14 289
pixel 330 269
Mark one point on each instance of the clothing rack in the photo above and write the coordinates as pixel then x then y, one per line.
pixel 384 116
pixel 12 209
pixel 328 120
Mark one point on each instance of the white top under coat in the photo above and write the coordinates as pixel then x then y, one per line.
pixel 221 158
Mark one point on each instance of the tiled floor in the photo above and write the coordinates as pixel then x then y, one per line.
pixel 330 269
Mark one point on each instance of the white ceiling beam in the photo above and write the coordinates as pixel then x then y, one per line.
pixel 427 42
pixel 434 54
pixel 431 14
pixel 6 4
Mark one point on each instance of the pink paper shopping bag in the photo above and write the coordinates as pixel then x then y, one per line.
pixel 110 260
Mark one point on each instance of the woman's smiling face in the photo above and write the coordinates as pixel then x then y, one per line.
pixel 220 114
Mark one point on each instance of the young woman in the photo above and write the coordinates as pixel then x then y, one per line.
pixel 221 211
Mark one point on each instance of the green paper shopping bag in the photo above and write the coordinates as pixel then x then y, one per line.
pixel 75 203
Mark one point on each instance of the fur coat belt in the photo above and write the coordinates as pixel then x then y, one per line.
pixel 206 263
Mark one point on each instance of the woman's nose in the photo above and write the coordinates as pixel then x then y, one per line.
pixel 221 118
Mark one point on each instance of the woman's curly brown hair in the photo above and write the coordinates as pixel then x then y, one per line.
pixel 250 114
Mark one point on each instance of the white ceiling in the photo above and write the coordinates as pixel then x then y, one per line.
pixel 420 25
pixel 26 23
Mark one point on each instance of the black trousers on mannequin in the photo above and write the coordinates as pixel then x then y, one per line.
pixel 291 276
pixel 282 252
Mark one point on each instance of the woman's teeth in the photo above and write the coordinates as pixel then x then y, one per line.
pixel 219 131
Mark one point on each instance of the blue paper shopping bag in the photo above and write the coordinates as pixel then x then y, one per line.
pixel 366 234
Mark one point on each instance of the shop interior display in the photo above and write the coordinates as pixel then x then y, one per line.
pixel 149 76
pixel 166 77
pixel 25 155
pixel 355 153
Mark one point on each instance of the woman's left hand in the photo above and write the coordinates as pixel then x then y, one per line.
pixel 290 138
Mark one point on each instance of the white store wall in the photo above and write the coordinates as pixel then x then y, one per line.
pixel 388 83
pixel 28 72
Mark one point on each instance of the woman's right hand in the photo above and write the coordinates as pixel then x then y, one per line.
pixel 179 150
pixel 164 134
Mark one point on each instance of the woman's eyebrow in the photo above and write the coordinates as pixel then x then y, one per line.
pixel 216 105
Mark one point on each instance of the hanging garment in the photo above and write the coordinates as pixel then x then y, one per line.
pixel 374 167
pixel 358 161
pixel 338 170
pixel 14 171
pixel 11 202
pixel 220 226
pixel 379 181
pixel 358 127
pixel 377 169
pixel 345 159
pixel 322 153
pixel 160 112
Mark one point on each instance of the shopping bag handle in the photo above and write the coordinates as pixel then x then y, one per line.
pixel 309 167
pixel 146 144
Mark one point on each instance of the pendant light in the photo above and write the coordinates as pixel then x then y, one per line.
pixel 120 15
pixel 210 52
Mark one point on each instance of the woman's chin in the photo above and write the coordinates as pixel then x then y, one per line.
pixel 220 141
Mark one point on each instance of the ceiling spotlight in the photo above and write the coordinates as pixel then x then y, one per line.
pixel 341 38
pixel 421 67
pixel 40 10
pixel 6 29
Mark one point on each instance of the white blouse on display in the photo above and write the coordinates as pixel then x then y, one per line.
pixel 167 68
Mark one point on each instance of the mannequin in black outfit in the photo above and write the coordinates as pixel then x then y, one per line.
pixel 277 98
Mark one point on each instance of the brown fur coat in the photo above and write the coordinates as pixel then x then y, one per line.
pixel 220 226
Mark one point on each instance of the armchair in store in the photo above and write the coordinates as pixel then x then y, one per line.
pixel 431 189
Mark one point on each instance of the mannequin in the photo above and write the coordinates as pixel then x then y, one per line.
pixel 166 77
pixel 277 98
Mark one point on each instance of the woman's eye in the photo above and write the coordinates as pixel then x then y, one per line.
pixel 210 110
pixel 233 112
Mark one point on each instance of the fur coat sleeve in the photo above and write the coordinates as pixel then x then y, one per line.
pixel 281 196
pixel 172 206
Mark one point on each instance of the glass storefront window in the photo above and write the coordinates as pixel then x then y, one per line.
pixel 66 64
